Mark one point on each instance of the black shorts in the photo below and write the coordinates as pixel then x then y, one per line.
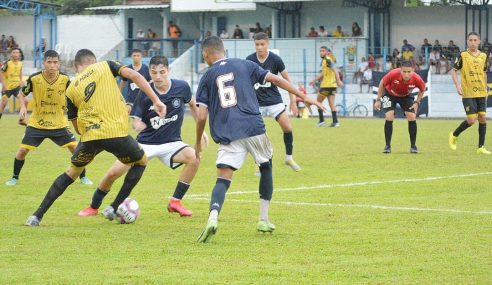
pixel 388 103
pixel 126 149
pixel 9 93
pixel 327 91
pixel 34 137
pixel 475 106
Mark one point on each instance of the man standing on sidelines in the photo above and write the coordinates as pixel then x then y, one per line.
pixel 396 88
pixel 269 97
pixel 132 88
pixel 226 92
pixel 473 90
pixel 11 78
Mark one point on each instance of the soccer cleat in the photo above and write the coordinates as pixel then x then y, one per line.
pixel 175 206
pixel 257 173
pixel 109 213
pixel 293 165
pixel 483 150
pixel 335 125
pixel 265 227
pixel 86 181
pixel 452 141
pixel 413 149
pixel 320 124
pixel 387 149
pixel 88 212
pixel 11 182
pixel 209 230
pixel 32 221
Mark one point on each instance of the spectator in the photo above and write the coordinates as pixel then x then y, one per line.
pixel 257 28
pixel 452 52
pixel 224 34
pixel 360 71
pixel 11 43
pixel 338 33
pixel 426 46
pixel 407 53
pixel 312 33
pixel 238 33
pixel 268 31
pixel 153 44
pixel 3 48
pixel 437 47
pixel 140 37
pixel 322 32
pixel 435 60
pixel 174 32
pixel 371 61
pixel 356 30
pixel 42 46
pixel 208 34
pixel 301 107
pixel 366 78
pixel 395 59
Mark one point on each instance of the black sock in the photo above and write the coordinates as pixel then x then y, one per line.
pixel 59 186
pixel 97 198
pixel 131 179
pixel 388 131
pixel 334 117
pixel 181 189
pixel 82 174
pixel 412 130
pixel 17 167
pixel 266 181
pixel 218 194
pixel 320 114
pixel 288 141
pixel 1 115
pixel 482 129
pixel 463 126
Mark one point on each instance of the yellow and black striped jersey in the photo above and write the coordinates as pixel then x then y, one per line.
pixel 49 101
pixel 95 100
pixel 329 80
pixel 473 70
pixel 12 74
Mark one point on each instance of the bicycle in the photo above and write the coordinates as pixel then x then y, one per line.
pixel 356 109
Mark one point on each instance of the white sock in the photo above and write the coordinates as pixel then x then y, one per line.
pixel 288 157
pixel 264 205
pixel 214 215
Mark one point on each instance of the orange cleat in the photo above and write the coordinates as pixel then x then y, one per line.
pixel 177 207
pixel 88 212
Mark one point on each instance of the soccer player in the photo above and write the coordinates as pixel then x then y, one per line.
pixel 396 88
pixel 473 90
pixel 132 88
pixel 97 111
pixel 227 93
pixel 159 137
pixel 269 97
pixel 330 80
pixel 48 118
pixel 11 78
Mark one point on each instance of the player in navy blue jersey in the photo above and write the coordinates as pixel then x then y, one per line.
pixel 269 97
pixel 159 137
pixel 227 93
pixel 132 88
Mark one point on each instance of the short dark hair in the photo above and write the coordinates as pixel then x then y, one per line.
pixel 260 36
pixel 83 55
pixel 473 34
pixel 50 53
pixel 15 48
pixel 135 50
pixel 159 59
pixel 213 43
pixel 406 63
pixel 325 48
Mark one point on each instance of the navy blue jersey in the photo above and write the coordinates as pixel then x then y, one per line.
pixel 268 93
pixel 227 90
pixel 161 131
pixel 132 88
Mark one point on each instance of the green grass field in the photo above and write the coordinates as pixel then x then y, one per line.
pixel 351 216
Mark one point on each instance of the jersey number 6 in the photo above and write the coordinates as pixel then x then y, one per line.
pixel 227 94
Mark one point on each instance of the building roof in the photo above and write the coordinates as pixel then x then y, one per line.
pixel 130 7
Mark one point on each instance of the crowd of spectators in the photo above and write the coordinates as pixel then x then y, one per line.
pixel 337 33
pixel 6 45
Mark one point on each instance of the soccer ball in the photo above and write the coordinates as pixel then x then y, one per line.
pixel 128 211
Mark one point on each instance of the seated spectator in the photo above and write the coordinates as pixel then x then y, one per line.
pixel 395 59
pixel 425 48
pixel 407 53
pixel 437 47
pixel 153 44
pixel 144 44
pixel 238 33
pixel 338 33
pixel 257 28
pixel 366 79
pixel 322 32
pixel 360 71
pixel 224 34
pixel 371 61
pixel 312 33
pixel 435 60
pixel 451 53
pixel 356 30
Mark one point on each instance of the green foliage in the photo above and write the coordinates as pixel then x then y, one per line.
pixel 338 236
pixel 77 7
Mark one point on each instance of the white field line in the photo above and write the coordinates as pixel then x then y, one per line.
pixel 381 207
pixel 364 183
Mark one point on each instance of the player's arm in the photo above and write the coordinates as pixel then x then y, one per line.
pixel 337 76
pixel 201 120
pixel 316 79
pixel 22 96
pixel 284 84
pixel 20 78
pixel 2 76
pixel 72 113
pixel 194 114
pixel 293 107
pixel 377 104
pixel 458 64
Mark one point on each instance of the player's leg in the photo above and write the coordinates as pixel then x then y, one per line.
pixel 320 98
pixel 471 110
pixel 406 103
pixel 482 124
pixel 388 104
pixel 19 159
pixel 3 103
pixel 333 108
pixel 83 178
pixel 285 125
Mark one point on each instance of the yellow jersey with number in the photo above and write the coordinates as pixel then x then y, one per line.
pixel 329 79
pixel 12 74
pixel 473 74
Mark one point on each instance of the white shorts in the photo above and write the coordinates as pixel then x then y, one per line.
pixel 233 154
pixel 165 152
pixel 272 110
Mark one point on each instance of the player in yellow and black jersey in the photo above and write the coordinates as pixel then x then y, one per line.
pixel 330 80
pixel 98 113
pixel 48 118
pixel 473 90
pixel 11 77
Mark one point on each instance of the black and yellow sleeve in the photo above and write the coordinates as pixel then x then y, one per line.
pixel 115 68
pixel 71 110
pixel 458 63
pixel 28 88
pixel 5 66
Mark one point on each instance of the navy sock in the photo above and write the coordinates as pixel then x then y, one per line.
pixel 97 198
pixel 482 129
pixel 181 189
pixel 131 179
pixel 388 131
pixel 463 126
pixel 412 130
pixel 17 167
pixel 59 186
pixel 218 194
pixel 289 143
pixel 266 181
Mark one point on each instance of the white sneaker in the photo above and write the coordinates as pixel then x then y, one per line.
pixel 11 182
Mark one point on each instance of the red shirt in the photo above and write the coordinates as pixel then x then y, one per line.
pixel 393 82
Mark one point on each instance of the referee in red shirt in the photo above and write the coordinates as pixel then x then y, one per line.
pixel 396 87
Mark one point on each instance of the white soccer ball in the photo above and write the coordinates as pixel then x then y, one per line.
pixel 128 211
